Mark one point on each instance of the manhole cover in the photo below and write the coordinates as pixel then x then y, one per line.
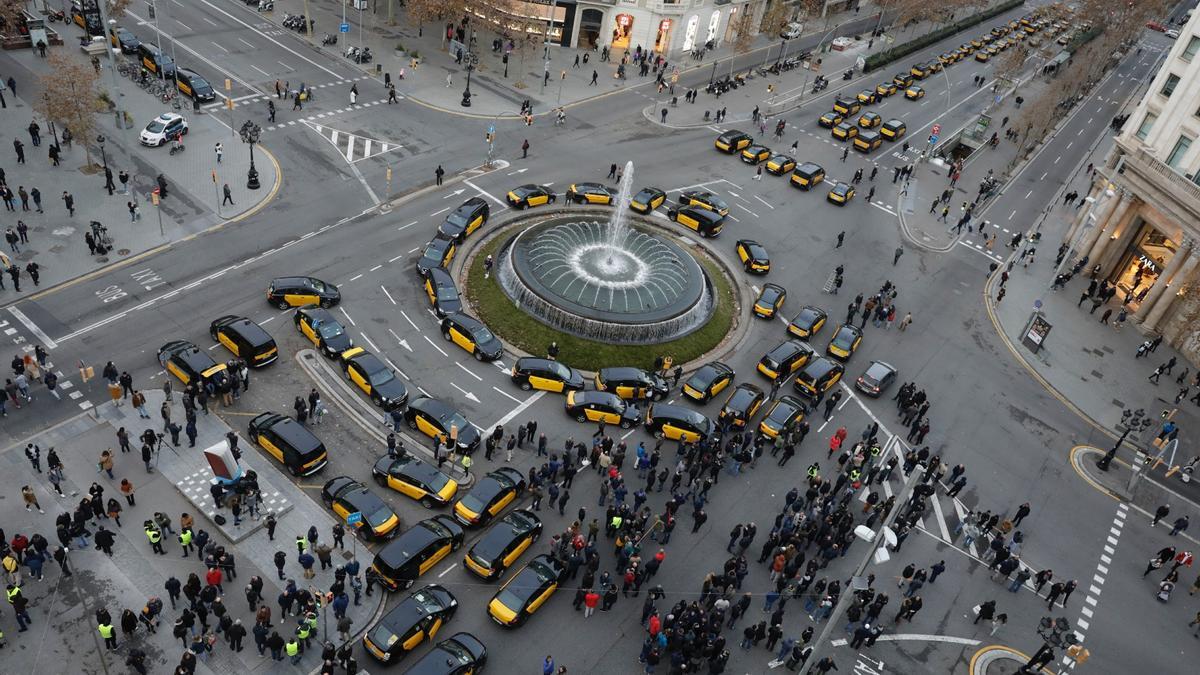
pixel 122 251
pixel 102 259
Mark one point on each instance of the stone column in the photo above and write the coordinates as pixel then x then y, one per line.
pixel 1178 270
pixel 1100 236
pixel 1077 221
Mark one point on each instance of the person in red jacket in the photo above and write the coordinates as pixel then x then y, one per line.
pixel 655 625
pixel 589 603
pixel 214 577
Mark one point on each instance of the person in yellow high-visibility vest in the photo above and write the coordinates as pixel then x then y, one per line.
pixel 109 634
pixel 293 650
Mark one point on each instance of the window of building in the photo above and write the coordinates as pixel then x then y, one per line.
pixel 1177 153
pixel 1147 122
pixel 1190 50
pixel 1169 85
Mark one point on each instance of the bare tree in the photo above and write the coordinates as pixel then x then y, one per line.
pixel 116 8
pixel 70 97
pixel 433 11
pixel 776 18
pixel 1008 65
pixel 744 27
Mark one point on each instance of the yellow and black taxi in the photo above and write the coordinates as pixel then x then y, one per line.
pixel 191 84
pixel 526 591
pixel 155 61
pixel 869 120
pixel 415 551
pixel 914 92
pixel 677 423
pixel 526 196
pixel 919 70
pixel 844 131
pixel 753 256
pixel 459 654
pixel 885 89
pixel 415 479
pixel 902 80
pixel 409 624
pixel 463 221
pixel 632 383
pixel 741 406
pixel 808 322
pixel 439 420
pixel 346 496
pixel 437 253
pixel 441 291
pixel 784 359
pixel 245 339
pixel 876 378
pixel 703 221
pixel 830 119
pixel 705 200
pixel 323 330
pixel 977 43
pixel 123 39
pixel 965 50
pixel 589 193
pixel 807 175
pixel 647 199
pixel 287 292
pixel 948 58
pixel 817 377
pixel 840 193
pixel 601 406
pixel 192 365
pixel 530 372
pixel 783 415
pixel 732 141
pixel 769 300
pixel 376 379
pixel 984 55
pixel 893 130
pixel 710 380
pixel 755 154
pixel 779 164
pixel 469 333
pixel 289 442
pixel 502 544
pixel 489 496
pixel 934 66
pixel 866 96
pixel 846 106
pixel 868 141
pixel 845 342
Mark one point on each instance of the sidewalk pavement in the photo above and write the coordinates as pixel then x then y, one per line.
pixel 493 93
pixel 135 573
pixel 56 239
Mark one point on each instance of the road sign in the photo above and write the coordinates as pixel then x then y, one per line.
pixel 354 518
pixel 937 129
pixel 344 28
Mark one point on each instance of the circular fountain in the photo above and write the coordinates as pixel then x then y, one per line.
pixel 612 281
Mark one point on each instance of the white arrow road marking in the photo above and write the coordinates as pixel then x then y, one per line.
pixel 469 395
pixel 456 193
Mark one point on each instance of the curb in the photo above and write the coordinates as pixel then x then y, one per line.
pixel 733 339
pixel 369 419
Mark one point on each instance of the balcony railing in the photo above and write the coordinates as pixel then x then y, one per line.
pixel 1180 187
pixel 668 6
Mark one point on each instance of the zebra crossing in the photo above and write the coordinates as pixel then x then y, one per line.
pixel 352 147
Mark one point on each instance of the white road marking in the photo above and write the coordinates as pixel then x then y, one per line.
pixel 764 202
pixel 368 340
pixel 505 393
pixel 389 295
pixel 447 570
pixel 435 346
pixel 247 44
pixel 519 409
pixel 33 328
pixel 347 315
pixel 271 39
pixel 467 371
pixel 218 46
pixel 260 70
pixel 410 321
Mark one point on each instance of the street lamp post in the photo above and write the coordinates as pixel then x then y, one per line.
pixel 472 59
pixel 817 55
pixel 250 133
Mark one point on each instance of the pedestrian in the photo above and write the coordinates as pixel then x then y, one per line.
pixel 1180 525
pixel 438 173
pixel 525 148
pixel 896 257
pixel 69 201
pixel 228 196
pixel 30 499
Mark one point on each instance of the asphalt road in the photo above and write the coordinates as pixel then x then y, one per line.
pixel 987 414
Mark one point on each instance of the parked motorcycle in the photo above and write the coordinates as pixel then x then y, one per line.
pixel 266 5
pixel 58 15
pixel 329 39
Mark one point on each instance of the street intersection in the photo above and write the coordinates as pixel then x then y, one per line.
pixel 357 203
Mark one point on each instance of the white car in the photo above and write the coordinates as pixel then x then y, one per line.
pixel 1173 34
pixel 792 30
pixel 163 129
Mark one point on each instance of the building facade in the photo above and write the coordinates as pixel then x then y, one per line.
pixel 1147 203
pixel 668 27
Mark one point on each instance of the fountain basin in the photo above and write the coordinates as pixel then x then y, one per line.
pixel 628 285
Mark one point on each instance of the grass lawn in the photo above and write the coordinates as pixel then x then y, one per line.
pixel 527 333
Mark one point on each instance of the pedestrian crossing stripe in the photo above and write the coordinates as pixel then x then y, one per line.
pixel 352 147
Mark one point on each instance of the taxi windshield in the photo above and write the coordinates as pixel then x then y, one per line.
pixel 318 286
pixel 472 503
pixel 383 637
pixel 458 218
pixel 508 599
pixel 844 338
pixel 428 601
pixel 560 370
pixel 382 377
pixel 483 335
pixel 380 516
pixel 456 651
pixel 330 330
pixel 445 293
pixel 437 528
